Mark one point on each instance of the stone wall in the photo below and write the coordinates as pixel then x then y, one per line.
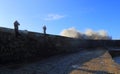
pixel 31 45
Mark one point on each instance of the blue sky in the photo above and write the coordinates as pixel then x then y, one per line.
pixel 62 14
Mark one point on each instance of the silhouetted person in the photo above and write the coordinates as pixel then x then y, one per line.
pixel 44 29
pixel 16 24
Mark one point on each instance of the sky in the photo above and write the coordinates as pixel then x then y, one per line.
pixel 58 15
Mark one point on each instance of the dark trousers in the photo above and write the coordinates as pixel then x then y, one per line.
pixel 17 33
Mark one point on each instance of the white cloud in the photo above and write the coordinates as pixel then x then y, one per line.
pixel 50 17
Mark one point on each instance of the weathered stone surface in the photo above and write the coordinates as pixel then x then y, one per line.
pixel 33 45
pixel 96 61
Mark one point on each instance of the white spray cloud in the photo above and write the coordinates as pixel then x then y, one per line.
pixel 71 32
pixel 89 34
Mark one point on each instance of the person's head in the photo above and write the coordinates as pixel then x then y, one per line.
pixel 16 22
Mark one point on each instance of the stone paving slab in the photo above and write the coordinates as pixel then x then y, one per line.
pixel 85 62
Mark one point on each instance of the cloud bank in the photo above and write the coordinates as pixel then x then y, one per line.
pixel 50 17
pixel 88 34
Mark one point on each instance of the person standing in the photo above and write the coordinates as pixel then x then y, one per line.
pixel 44 29
pixel 16 28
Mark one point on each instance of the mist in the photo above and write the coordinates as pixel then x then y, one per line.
pixel 88 34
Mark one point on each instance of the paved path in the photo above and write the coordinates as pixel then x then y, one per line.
pixel 62 64
pixel 100 65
